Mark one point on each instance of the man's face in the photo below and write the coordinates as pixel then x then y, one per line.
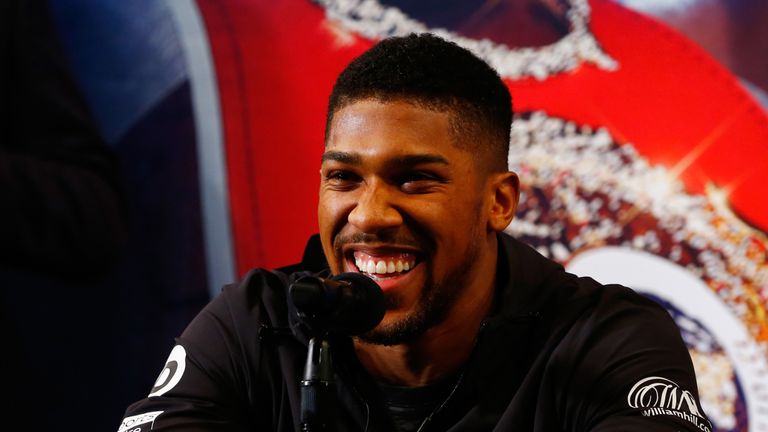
pixel 402 204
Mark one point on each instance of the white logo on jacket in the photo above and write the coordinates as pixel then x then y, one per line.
pixel 172 372
pixel 659 396
pixel 137 420
pixel 658 392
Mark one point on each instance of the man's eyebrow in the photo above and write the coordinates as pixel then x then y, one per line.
pixel 419 159
pixel 405 160
pixel 343 157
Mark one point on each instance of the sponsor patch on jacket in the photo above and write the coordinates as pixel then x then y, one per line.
pixel 172 372
pixel 656 396
pixel 140 422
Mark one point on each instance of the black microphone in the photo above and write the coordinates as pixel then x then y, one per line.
pixel 348 303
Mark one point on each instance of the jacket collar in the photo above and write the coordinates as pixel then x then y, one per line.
pixel 521 274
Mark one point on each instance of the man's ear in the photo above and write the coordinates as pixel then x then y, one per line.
pixel 505 195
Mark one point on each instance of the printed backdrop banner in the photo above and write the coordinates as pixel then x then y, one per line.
pixel 642 159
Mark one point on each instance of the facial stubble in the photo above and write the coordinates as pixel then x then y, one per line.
pixel 435 301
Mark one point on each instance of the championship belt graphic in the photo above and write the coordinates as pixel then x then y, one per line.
pixel 641 160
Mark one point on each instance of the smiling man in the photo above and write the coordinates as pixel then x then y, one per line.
pixel 414 189
pixel 480 332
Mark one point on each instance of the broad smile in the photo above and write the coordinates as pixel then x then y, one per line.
pixel 388 266
pixel 383 266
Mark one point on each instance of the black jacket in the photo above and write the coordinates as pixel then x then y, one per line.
pixel 559 353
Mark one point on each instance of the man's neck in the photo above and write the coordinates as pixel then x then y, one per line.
pixel 442 349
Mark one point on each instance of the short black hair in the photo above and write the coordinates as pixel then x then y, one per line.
pixel 436 74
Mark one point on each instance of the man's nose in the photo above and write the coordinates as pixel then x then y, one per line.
pixel 374 210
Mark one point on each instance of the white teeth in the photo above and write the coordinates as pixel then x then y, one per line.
pixel 381 267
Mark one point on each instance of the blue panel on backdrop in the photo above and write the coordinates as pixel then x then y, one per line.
pixel 128 60
pixel 126 55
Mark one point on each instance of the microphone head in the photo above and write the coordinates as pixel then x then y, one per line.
pixel 363 305
pixel 348 303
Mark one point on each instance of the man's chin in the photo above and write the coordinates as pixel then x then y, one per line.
pixel 401 331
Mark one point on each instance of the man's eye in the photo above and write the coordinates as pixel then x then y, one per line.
pixel 418 177
pixel 341 178
pixel 337 175
pixel 419 182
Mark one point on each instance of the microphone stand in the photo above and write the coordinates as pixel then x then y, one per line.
pixel 348 304
pixel 317 386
